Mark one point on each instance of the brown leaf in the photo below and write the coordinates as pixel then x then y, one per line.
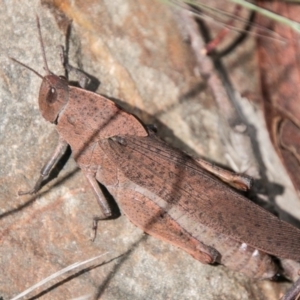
pixel 280 83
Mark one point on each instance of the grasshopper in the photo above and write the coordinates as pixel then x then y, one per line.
pixel 162 190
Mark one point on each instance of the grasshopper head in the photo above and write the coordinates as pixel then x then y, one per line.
pixel 53 96
pixel 54 90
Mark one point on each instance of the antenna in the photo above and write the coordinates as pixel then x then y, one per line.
pixel 43 52
pixel 34 71
pixel 42 45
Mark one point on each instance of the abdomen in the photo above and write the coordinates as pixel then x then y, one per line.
pixel 168 223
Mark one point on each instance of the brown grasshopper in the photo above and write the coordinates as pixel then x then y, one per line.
pixel 165 192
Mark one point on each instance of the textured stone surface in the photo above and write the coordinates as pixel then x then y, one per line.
pixel 135 50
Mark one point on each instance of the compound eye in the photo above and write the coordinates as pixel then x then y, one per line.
pixel 51 95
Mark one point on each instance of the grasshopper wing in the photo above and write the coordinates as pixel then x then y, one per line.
pixel 182 183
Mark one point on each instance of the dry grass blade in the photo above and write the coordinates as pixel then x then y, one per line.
pixel 267 13
pixel 215 15
pixel 55 275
